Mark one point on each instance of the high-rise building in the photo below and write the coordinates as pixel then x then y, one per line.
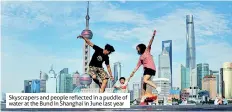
pixel 164 84
pixel 202 71
pixel 110 84
pixel 185 77
pixel 165 60
pixel 43 88
pixel 131 95
pixel 222 84
pixel 117 72
pixel 227 78
pixel 136 91
pixel 51 81
pixel 191 52
pixel 209 84
pixel 65 82
pixel 164 65
pixel 216 74
pixel 76 79
pixel 190 38
pixel 34 86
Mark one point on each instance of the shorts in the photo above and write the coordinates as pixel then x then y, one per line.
pixel 148 71
pixel 99 72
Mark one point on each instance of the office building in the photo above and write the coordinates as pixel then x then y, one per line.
pixel 164 84
pixel 117 72
pixel 34 86
pixel 65 82
pixel 43 84
pixel 167 47
pixel 76 79
pixel 136 90
pixel 51 81
pixel 221 85
pixel 185 77
pixel 209 84
pixel 227 78
pixel 110 84
pixel 202 71
pixel 216 74
pixel 131 95
pixel 164 65
pixel 191 51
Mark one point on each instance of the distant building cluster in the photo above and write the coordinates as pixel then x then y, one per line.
pixel 197 80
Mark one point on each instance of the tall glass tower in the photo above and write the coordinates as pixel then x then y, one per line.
pixel 190 38
pixel 202 71
pixel 165 60
pixel 117 72
pixel 191 53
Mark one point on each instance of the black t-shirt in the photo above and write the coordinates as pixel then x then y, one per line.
pixel 98 57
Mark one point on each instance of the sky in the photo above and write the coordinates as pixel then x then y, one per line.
pixel 35 35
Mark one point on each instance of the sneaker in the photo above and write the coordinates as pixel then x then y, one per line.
pixel 158 89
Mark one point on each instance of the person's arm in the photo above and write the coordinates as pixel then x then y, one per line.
pixel 116 86
pixel 136 68
pixel 107 62
pixel 87 41
pixel 151 41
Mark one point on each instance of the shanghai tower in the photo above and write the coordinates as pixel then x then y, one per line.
pixel 191 54
pixel 190 40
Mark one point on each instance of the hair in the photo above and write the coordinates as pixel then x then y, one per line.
pixel 142 48
pixel 109 48
pixel 122 78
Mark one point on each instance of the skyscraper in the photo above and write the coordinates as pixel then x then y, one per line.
pixel 191 52
pixel 227 78
pixel 76 79
pixel 216 74
pixel 164 66
pixel 51 81
pixel 164 84
pixel 136 91
pixel 209 84
pixel 65 82
pixel 167 47
pixel 190 38
pixel 222 84
pixel 185 77
pixel 202 71
pixel 34 86
pixel 117 72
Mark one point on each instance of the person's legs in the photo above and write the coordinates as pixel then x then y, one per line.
pixel 93 73
pixel 144 88
pixel 146 80
pixel 104 77
pixel 103 86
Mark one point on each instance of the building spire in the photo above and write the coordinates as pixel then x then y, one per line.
pixel 52 67
pixel 87 17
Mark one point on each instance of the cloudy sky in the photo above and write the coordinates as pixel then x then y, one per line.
pixel 36 35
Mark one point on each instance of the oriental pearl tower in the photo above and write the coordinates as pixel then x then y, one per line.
pixel 87 33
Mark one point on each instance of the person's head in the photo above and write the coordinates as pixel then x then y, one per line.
pixel 122 80
pixel 141 48
pixel 223 97
pixel 108 49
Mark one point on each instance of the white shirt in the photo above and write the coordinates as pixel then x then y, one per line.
pixel 119 85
